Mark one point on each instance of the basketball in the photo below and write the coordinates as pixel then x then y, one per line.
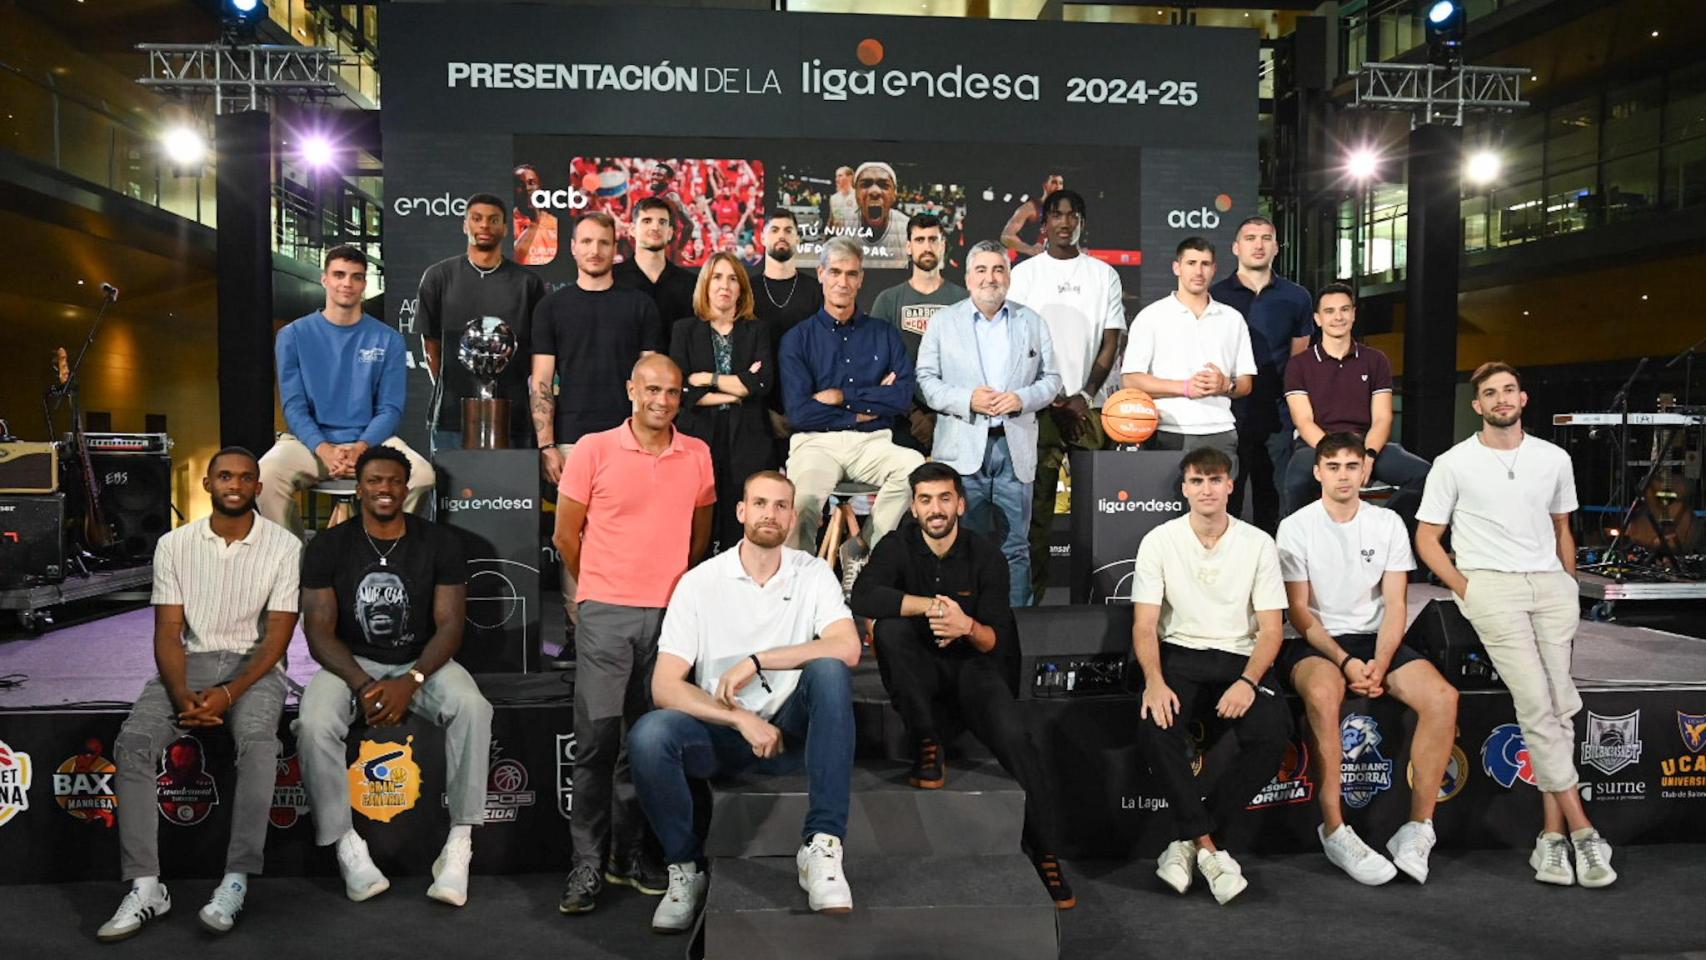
pixel 1129 416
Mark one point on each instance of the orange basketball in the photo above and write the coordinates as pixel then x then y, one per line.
pixel 1129 416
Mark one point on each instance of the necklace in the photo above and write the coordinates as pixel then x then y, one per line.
pixel 483 272
pixel 1509 465
pixel 394 544
pixel 772 298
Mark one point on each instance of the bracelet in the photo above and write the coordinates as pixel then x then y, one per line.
pixel 1348 658
pixel 363 688
pixel 758 668
pixel 1252 683
pixel 229 699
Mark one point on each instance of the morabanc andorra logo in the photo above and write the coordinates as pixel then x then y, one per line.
pixel 1612 743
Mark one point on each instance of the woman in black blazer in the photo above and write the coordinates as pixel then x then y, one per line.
pixel 726 356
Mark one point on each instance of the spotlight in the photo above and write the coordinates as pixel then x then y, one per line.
pixel 1362 164
pixel 242 15
pixel 1483 167
pixel 1445 24
pixel 185 150
pixel 316 151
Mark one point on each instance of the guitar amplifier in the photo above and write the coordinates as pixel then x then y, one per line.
pixel 32 539
pixel 28 468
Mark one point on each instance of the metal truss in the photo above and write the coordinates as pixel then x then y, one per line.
pixel 240 77
pixel 1432 93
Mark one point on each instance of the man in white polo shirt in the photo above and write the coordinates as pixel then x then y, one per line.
pixel 225 600
pixel 1507 498
pixel 1192 354
pixel 1346 565
pixel 1206 627
pixel 766 634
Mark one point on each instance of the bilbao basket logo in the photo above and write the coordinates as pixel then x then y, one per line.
pixel 1291 784
pixel 506 788
pixel 1364 773
pixel 289 794
pixel 1612 743
pixel 83 786
pixel 1456 774
pixel 384 780
pixel 14 781
pixel 187 793
pixel 1504 756
pixel 565 774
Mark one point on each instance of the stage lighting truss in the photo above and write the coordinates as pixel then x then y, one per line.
pixel 1431 93
pixel 241 77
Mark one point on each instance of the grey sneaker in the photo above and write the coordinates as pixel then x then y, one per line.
pixel 581 889
pixel 681 903
pixel 220 914
pixel 1551 860
pixel 136 909
pixel 1593 859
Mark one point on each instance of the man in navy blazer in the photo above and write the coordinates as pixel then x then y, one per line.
pixel 986 366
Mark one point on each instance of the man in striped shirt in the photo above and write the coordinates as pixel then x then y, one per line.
pixel 225 601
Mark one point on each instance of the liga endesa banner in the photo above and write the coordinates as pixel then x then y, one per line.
pixel 852 123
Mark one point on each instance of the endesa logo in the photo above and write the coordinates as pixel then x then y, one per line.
pixel 954 83
pixel 1123 503
pixel 467 501
pixel 1202 218
pixel 443 205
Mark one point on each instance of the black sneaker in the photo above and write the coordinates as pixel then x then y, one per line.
pixel 634 869
pixel 1048 867
pixel 581 889
pixel 927 772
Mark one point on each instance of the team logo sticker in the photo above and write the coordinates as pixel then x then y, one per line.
pixel 1456 774
pixel 565 773
pixel 83 786
pixel 1504 756
pixel 1364 773
pixel 1291 784
pixel 1681 777
pixel 384 780
pixel 187 793
pixel 1693 727
pixel 1612 743
pixel 14 782
pixel 289 794
pixel 506 788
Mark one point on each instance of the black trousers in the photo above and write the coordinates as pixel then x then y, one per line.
pixel 926 683
pixel 1199 678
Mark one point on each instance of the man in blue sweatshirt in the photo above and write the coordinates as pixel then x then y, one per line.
pixel 341 380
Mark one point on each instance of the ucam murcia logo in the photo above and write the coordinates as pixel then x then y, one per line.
pixel 1504 756
pixel 954 83
pixel 1683 777
pixel 1612 743
pixel 15 775
pixel 506 788
pixel 1363 772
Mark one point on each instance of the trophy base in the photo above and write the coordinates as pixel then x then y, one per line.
pixel 485 423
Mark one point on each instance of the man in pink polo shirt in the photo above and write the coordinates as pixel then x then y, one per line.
pixel 633 512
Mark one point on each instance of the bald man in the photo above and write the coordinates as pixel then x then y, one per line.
pixel 635 504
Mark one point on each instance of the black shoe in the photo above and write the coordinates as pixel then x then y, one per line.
pixel 1048 867
pixel 581 889
pixel 635 869
pixel 927 772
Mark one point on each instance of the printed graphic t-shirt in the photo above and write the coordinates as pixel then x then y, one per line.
pixel 385 608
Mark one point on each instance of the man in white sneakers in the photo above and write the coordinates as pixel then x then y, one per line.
pixel 1206 628
pixel 1507 498
pixel 1346 566
pixel 225 595
pixel 753 675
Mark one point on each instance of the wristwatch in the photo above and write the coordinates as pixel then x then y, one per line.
pixel 418 677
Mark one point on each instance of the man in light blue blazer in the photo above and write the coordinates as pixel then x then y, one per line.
pixel 986 366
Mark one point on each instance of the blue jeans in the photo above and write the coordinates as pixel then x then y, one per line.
pixel 995 488
pixel 666 747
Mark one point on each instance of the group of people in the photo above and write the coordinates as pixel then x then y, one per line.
pixel 692 662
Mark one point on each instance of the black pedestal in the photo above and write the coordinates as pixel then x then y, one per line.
pixel 492 496
pixel 1118 496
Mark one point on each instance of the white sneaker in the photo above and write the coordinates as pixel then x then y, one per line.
pixel 821 876
pixel 137 908
pixel 1174 866
pixel 1225 878
pixel 220 913
pixel 1346 851
pixel 1410 847
pixel 361 878
pixel 1551 860
pixel 1593 859
pixel 681 902
pixel 450 872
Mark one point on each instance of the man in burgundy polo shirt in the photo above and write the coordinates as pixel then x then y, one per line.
pixel 633 513
pixel 1340 385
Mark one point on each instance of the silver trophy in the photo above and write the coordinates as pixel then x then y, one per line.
pixel 485 348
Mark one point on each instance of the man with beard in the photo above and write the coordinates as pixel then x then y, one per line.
pixel 782 296
pixel 1029 212
pixel 753 676
pixel 536 230
pixel 225 599
pixel 633 513
pixel 1507 497
pixel 946 644
pixel 384 598
pixel 478 283
pixel 661 186
pixel 910 305
pixel 881 228
pixel 650 270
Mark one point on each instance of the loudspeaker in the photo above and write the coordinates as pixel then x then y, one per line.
pixel 1074 651
pixel 1443 635
pixel 1310 52
pixel 32 539
pixel 28 468
pixel 136 498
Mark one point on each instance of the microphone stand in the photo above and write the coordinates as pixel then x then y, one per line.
pixel 1620 403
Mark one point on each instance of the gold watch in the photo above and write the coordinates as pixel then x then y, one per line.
pixel 419 677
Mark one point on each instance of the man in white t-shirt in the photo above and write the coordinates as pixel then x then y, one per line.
pixel 1083 304
pixel 766 634
pixel 1207 625
pixel 1192 354
pixel 1507 498
pixel 1346 566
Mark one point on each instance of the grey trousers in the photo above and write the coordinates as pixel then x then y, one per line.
pixel 449 698
pixel 153 723
pixel 615 648
pixel 1226 442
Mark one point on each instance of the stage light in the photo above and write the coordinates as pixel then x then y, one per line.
pixel 185 150
pixel 1483 167
pixel 242 15
pixel 1445 24
pixel 245 6
pixel 316 151
pixel 1438 13
pixel 1362 164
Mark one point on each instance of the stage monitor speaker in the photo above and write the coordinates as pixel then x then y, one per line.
pixel 32 539
pixel 28 468
pixel 1074 651
pixel 1310 52
pixel 136 497
pixel 1443 635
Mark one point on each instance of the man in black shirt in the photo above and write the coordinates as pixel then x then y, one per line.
pixel 384 597
pixel 946 641
pixel 782 296
pixel 480 282
pixel 650 271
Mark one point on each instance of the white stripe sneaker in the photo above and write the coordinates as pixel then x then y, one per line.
pixel 137 908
